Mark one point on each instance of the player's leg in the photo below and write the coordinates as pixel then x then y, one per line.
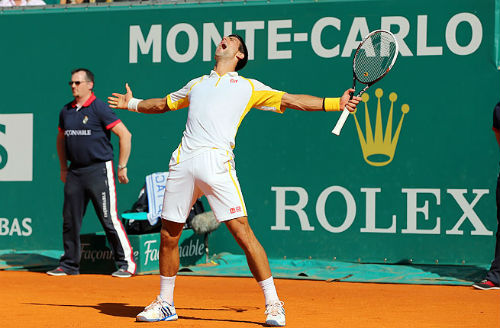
pixel 162 308
pixel 75 203
pixel 169 258
pixel 219 183
pixel 259 266
pixel 100 185
pixel 180 195
pixel 254 252
pixel 169 247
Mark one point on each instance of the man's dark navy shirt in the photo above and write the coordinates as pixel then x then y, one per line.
pixel 87 131
pixel 496 118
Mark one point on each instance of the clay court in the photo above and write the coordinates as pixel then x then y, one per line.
pixel 31 299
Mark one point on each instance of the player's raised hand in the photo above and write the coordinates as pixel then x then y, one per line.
pixel 120 101
pixel 347 102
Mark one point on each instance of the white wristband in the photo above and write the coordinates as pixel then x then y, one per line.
pixel 133 103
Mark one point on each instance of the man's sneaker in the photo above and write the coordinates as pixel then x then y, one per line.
pixel 485 285
pixel 57 272
pixel 275 314
pixel 159 310
pixel 122 273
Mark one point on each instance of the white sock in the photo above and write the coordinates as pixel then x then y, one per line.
pixel 269 290
pixel 167 285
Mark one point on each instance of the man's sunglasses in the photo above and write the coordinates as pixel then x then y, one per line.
pixel 75 82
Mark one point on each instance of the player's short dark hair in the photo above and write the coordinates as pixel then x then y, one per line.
pixel 243 50
pixel 88 73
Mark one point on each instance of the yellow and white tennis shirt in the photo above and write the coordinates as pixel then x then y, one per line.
pixel 217 105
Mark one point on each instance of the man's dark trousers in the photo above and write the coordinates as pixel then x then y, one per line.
pixel 96 183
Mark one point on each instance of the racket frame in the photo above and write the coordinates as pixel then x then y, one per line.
pixel 345 113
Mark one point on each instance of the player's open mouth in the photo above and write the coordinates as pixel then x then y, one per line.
pixel 223 46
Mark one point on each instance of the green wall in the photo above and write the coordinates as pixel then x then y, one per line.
pixel 308 192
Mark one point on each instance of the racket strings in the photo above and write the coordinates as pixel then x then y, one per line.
pixel 374 57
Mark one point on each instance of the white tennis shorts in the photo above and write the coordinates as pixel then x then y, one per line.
pixel 211 173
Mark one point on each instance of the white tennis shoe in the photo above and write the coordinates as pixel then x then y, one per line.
pixel 275 314
pixel 159 310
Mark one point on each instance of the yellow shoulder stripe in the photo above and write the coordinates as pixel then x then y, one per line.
pixel 268 100
pixel 181 103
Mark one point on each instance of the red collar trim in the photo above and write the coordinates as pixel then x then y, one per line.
pixel 87 103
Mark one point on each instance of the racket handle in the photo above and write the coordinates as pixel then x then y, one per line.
pixel 340 122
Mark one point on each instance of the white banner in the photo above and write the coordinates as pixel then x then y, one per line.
pixel 155 189
pixel 16 147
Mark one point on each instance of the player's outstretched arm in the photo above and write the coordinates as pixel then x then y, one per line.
pixel 128 102
pixel 312 103
pixel 302 102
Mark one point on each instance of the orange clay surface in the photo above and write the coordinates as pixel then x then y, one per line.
pixel 29 299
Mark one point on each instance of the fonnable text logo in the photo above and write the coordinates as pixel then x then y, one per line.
pixel 379 147
pixel 16 147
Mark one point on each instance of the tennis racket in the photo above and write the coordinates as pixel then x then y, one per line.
pixel 373 59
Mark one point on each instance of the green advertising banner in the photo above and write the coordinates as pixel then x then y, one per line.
pixel 411 178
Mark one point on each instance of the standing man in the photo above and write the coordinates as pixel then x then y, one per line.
pixel 492 280
pixel 204 164
pixel 84 140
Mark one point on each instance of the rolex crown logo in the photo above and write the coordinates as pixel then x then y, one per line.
pixel 379 148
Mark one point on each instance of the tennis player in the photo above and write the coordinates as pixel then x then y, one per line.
pixel 203 163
